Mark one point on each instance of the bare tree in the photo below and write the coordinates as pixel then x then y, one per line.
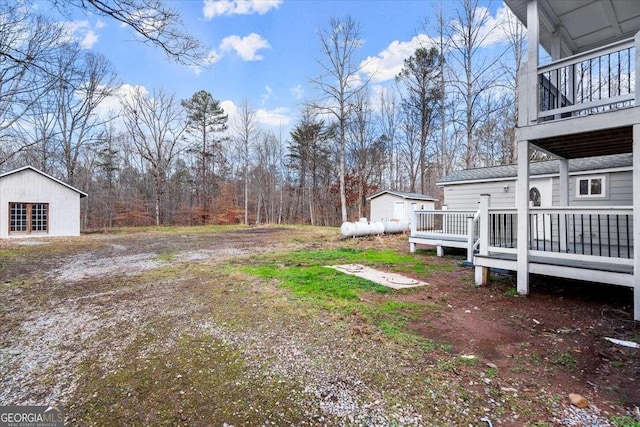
pixel 27 44
pixel 366 152
pixel 245 129
pixel 152 20
pixel 156 125
pixel 85 80
pixel 339 83
pixel 388 121
pixel 475 74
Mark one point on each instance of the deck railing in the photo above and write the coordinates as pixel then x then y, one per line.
pixel 587 233
pixel 442 222
pixel 459 225
pixel 604 232
pixel 591 82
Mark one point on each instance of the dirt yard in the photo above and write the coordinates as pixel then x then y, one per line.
pixel 183 326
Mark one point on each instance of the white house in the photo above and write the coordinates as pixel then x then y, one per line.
pixel 396 205
pixel 580 106
pixel 34 204
pixel 601 181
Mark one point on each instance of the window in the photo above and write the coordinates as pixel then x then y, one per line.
pixel 28 217
pixel 590 186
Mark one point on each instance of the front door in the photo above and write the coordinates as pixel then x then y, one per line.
pixel 540 196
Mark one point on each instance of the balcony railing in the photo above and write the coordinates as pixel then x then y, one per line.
pixel 600 80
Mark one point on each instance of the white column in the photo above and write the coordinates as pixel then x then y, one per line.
pixel 470 239
pixel 533 43
pixel 637 49
pixel 482 273
pixel 522 205
pixel 564 202
pixel 636 222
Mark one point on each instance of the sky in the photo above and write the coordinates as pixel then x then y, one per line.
pixel 267 51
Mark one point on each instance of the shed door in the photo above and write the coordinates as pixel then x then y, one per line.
pixel 398 211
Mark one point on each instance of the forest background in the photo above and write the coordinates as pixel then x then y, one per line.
pixel 156 158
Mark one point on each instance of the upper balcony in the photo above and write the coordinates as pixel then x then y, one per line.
pixel 584 101
pixel 597 81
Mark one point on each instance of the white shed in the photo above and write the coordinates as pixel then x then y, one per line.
pixel 396 205
pixel 34 204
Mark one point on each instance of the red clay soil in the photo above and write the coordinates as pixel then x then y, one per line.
pixel 551 339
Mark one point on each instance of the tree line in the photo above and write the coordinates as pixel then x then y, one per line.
pixel 165 160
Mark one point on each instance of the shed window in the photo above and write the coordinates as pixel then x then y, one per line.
pixel 590 186
pixel 28 217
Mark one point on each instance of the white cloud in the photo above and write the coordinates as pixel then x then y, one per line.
pixel 81 32
pixel 266 95
pixel 297 92
pixel 272 118
pixel 213 8
pixel 89 39
pixel 211 58
pixel 388 63
pixel 247 47
pixel 111 106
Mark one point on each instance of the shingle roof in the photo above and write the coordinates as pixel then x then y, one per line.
pixel 404 195
pixel 548 167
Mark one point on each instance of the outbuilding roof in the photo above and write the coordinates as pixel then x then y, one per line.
pixel 548 167
pixel 408 196
pixel 82 193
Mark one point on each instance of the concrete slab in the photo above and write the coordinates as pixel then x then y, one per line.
pixel 391 280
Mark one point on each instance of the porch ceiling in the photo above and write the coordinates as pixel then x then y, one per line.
pixel 582 24
pixel 589 144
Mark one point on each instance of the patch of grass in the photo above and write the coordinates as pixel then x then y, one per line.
pixel 565 359
pixel 511 292
pixel 448 364
pixel 167 256
pixel 195 380
pixel 469 361
pixel 315 282
pixel 305 275
pixel 625 421
pixel 491 372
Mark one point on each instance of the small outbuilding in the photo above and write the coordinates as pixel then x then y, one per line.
pixel 34 204
pixel 397 205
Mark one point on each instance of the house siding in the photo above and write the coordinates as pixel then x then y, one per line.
pixel 382 207
pixel 466 196
pixel 618 190
pixel 28 186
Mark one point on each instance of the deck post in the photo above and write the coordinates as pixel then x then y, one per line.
pixel 636 217
pixel 533 43
pixel 522 205
pixel 564 202
pixel 482 273
pixel 470 242
pixel 414 229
